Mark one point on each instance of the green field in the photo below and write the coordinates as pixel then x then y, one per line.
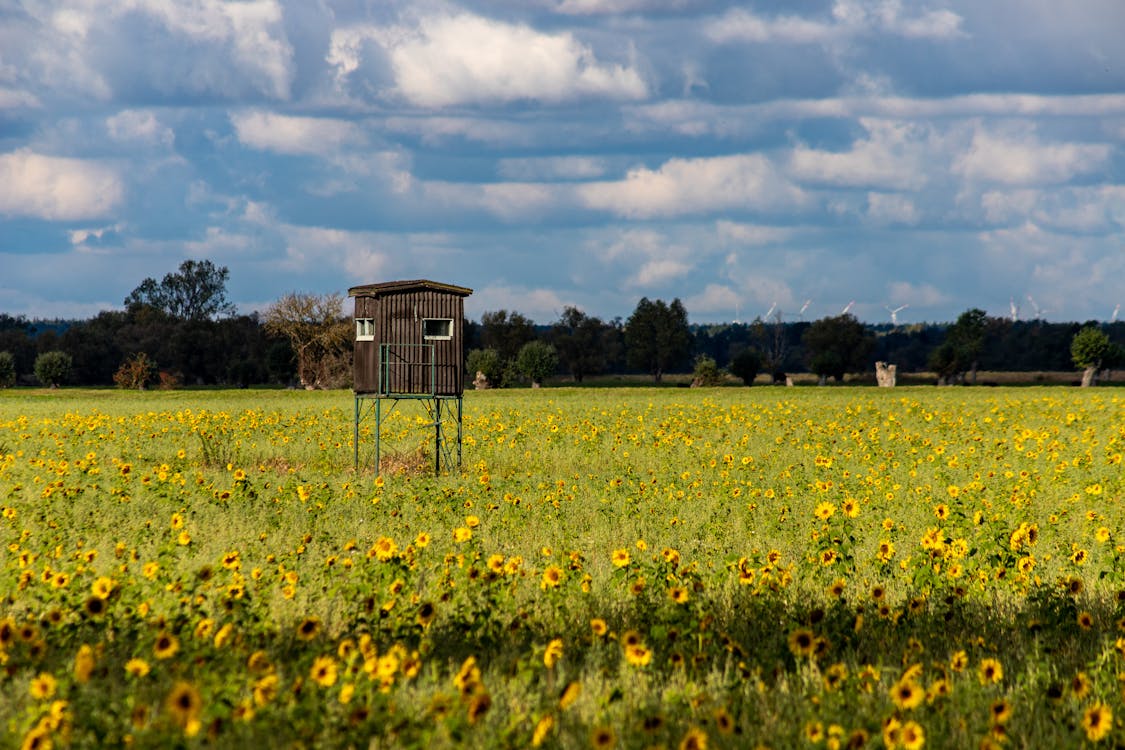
pixel 732 567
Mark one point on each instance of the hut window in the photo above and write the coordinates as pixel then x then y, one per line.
pixel 437 328
pixel 364 329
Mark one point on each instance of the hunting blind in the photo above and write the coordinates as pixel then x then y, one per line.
pixel 409 346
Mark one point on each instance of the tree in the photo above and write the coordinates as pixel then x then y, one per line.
pixel 657 337
pixel 537 361
pixel 836 346
pixel 1090 349
pixel 196 292
pixel 580 341
pixel 746 365
pixel 961 350
pixel 53 368
pixel 7 370
pixel 318 333
pixel 506 333
pixel 135 372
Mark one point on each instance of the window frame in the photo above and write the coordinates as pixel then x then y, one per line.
pixel 448 327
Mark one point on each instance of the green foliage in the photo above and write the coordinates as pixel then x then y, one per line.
pixel 657 337
pixel 196 292
pixel 706 372
pixel 537 361
pixel 485 361
pixel 585 344
pixel 746 365
pixel 838 345
pixel 53 368
pixel 962 348
pixel 135 373
pixel 7 370
pixel 506 333
pixel 1089 348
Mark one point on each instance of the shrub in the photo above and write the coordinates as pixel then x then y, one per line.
pixel 135 372
pixel 53 368
pixel 746 365
pixel 487 361
pixel 7 370
pixel 706 372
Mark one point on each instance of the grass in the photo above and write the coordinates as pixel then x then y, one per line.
pixel 613 567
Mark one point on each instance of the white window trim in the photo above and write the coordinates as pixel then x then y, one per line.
pixel 364 329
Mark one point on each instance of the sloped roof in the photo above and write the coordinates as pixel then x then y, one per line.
pixel 392 287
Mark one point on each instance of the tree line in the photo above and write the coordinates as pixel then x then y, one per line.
pixel 183 330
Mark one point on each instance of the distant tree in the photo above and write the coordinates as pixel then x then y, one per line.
pixel 838 345
pixel 537 361
pixel 746 365
pixel 7 370
pixel 657 337
pixel 580 341
pixel 53 368
pixel 318 333
pixel 196 292
pixel 961 350
pixel 506 333
pixel 487 362
pixel 1091 350
pixel 706 372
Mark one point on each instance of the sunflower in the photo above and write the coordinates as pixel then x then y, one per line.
pixel 1085 620
pixel 166 645
pixel 802 642
pixel 462 534
pixel 569 695
pixel 102 587
pixel 426 614
pixel 1000 711
pixel 184 704
pixel 552 577
pixel 911 736
pixel 308 628
pixel 620 558
pixel 1097 721
pixel 94 606
pixel 724 722
pixel 542 728
pixel 84 663
pixel 265 689
pixel 1080 685
pixel 598 627
pixel 39 738
pixel 678 594
pixel 638 655
pixel 479 705
pixel 137 667
pixel 907 694
pixel 990 671
pixel 695 739
pixel 553 653
pixel 323 671
pixel 43 686
pixel 602 738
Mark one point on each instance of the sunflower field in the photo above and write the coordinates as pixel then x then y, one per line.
pixel 612 568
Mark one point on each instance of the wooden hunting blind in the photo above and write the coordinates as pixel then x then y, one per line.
pixel 409 345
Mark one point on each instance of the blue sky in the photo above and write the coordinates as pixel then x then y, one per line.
pixel 740 156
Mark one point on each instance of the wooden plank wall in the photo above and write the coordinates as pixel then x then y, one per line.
pixel 398 322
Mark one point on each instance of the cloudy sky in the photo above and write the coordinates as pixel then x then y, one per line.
pixel 742 156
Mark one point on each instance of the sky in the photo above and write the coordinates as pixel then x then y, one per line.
pixel 901 160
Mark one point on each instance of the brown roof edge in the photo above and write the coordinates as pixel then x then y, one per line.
pixel 388 287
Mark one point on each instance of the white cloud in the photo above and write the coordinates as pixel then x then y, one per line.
pixel 1021 158
pixel 551 168
pixel 592 7
pixel 891 208
pixel 691 186
pixel 732 232
pixel 849 18
pixel 11 98
pixel 916 295
pixel 895 155
pixel 137 126
pixel 649 258
pixel 449 60
pixel 56 188
pixel 538 304
pixel 715 298
pixel 286 134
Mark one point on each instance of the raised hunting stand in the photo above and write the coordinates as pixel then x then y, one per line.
pixel 408 346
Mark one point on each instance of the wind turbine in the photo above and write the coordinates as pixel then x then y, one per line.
pixel 1116 310
pixel 1014 309
pixel 1039 312
pixel 801 315
pixel 847 308
pixel 770 311
pixel 894 313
